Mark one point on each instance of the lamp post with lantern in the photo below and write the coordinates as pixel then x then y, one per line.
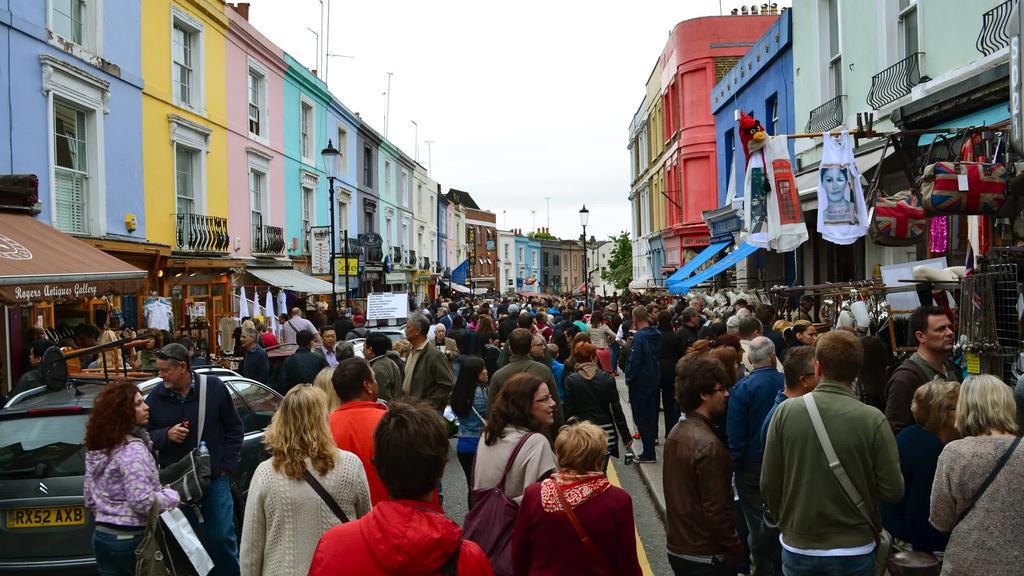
pixel 332 158
pixel 584 216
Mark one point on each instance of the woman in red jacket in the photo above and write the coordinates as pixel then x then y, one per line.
pixel 602 512
pixel 408 534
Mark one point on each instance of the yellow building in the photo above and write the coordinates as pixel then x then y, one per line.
pixel 185 167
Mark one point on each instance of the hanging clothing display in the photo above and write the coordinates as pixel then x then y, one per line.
pixel 842 211
pixel 157 312
pixel 226 334
pixel 772 215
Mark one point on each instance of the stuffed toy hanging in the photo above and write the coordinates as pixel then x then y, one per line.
pixel 772 214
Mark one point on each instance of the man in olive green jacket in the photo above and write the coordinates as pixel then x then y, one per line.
pixel 428 375
pixel 520 342
pixel 820 525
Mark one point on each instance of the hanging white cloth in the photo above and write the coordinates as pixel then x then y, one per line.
pixel 243 303
pixel 842 211
pixel 755 201
pixel 282 302
pixel 269 310
pixel 158 313
pixel 786 227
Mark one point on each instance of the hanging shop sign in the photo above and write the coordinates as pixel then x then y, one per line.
pixel 197 310
pixel 346 266
pixel 320 249
pixel 1013 29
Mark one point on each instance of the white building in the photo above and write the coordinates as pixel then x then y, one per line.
pixel 506 261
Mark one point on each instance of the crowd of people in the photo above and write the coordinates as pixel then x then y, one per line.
pixel 785 451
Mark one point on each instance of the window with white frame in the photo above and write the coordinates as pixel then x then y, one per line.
pixel 308 134
pixel 389 229
pixel 257 101
pixel 68 20
pixel 70 168
pixel 185 171
pixel 259 199
pixel 257 196
pixel 835 60
pixel 419 198
pixel 186 59
pixel 308 214
pixel 342 151
pixel 908 28
pixel 387 177
pixel 522 254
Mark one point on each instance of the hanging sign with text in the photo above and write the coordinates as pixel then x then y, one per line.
pixel 387 305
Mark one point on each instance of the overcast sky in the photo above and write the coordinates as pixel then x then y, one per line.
pixel 524 100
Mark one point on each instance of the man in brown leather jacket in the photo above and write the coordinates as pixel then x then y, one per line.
pixel 701 513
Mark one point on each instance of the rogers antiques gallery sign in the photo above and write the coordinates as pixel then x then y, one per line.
pixel 54 291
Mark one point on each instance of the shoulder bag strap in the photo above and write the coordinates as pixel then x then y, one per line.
pixel 327 498
pixel 835 465
pixel 873 191
pixel 512 459
pixel 991 476
pixel 584 537
pixel 202 407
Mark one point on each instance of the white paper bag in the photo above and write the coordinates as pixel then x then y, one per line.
pixel 179 526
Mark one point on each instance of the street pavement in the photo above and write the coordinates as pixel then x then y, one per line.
pixel 643 482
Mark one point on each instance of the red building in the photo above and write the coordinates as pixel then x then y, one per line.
pixel 698 54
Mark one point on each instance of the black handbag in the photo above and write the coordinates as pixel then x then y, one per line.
pixel 190 476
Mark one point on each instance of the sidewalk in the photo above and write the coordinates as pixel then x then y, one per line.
pixel 650 474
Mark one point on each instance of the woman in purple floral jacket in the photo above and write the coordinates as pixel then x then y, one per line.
pixel 121 478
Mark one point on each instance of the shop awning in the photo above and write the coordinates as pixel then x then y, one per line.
pixel 291 279
pixel 987 117
pixel 39 263
pixel 696 262
pixel 731 259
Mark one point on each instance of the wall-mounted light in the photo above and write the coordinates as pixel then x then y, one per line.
pixel 130 222
pixel 159 273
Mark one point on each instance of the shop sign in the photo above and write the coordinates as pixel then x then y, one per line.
pixel 197 310
pixel 490 244
pixel 54 291
pixel 320 249
pixel 346 266
pixel 387 305
pixel 695 240
pixel 1013 29
pixel 395 278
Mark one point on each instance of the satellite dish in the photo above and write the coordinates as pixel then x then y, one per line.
pixel 54 369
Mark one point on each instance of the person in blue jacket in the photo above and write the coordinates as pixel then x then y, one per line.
pixel 643 379
pixel 174 428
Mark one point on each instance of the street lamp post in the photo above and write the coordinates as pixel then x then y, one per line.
pixel 584 216
pixel 332 157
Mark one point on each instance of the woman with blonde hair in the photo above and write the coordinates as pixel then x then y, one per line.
pixel 323 381
pixel 578 493
pixel 975 493
pixel 293 495
pixel 934 409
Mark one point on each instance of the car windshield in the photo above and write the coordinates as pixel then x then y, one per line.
pixel 43 447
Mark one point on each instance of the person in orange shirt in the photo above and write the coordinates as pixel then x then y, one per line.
pixel 352 424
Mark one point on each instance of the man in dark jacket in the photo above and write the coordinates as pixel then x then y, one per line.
pixel 643 378
pixel 386 372
pixel 520 345
pixel 255 364
pixel 428 374
pixel 174 427
pixel 689 324
pixel 301 367
pixel 506 326
pixel 700 516
pixel 934 333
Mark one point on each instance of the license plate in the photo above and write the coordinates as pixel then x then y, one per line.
pixel 44 517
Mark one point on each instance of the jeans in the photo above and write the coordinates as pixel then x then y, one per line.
pixel 616 348
pixel 645 409
pixel 466 459
pixel 762 539
pixel 681 567
pixel 217 530
pixel 800 565
pixel 115 555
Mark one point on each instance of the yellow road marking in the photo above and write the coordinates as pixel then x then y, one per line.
pixel 641 555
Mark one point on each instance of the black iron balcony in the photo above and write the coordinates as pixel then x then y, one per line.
pixel 202 234
pixel 896 81
pixel 372 254
pixel 396 255
pixel 438 269
pixel 425 264
pixel 267 239
pixel 993 36
pixel 827 116
pixel 410 259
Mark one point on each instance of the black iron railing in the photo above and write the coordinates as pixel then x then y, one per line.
pixel 827 116
pixel 267 239
pixel 425 264
pixel 410 259
pixel 396 255
pixel 372 254
pixel 993 36
pixel 438 268
pixel 896 81
pixel 199 233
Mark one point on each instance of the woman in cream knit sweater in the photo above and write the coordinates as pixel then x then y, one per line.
pixel 284 516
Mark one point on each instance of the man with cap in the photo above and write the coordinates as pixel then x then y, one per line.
pixel 174 428
pixel 360 331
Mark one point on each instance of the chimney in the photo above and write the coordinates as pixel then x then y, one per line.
pixel 243 9
pixel 743 10
pixel 734 12
pixel 753 9
pixel 313 70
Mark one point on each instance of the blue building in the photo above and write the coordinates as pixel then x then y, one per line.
pixel 71 113
pixel 527 264
pixel 760 83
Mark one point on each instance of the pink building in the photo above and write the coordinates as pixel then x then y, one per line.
pixel 255 87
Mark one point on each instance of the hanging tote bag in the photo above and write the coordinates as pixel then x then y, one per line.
pixel 964 186
pixel 190 476
pixel 489 523
pixel 897 219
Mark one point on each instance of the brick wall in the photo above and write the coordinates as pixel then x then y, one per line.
pixel 723 65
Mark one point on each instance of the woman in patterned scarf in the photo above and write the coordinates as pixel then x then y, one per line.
pixel 577 512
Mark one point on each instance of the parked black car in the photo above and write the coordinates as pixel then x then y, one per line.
pixel 45 527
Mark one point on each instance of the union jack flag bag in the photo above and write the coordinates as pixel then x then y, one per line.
pixel 964 188
pixel 896 219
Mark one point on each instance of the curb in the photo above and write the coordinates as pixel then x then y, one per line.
pixel 656 497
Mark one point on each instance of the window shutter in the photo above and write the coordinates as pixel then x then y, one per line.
pixel 69 191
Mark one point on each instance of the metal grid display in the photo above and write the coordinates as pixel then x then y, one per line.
pixel 989 322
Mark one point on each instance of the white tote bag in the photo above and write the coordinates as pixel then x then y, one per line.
pixel 179 526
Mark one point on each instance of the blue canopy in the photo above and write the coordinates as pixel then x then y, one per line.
pixel 730 260
pixel 695 263
pixel 986 117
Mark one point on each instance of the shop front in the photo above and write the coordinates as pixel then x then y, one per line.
pixel 199 293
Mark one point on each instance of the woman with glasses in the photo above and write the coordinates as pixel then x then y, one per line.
pixel 284 514
pixel 121 478
pixel 521 417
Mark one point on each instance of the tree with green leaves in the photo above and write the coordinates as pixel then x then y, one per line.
pixel 541 235
pixel 620 264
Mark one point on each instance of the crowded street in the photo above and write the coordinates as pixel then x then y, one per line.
pixel 700 288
